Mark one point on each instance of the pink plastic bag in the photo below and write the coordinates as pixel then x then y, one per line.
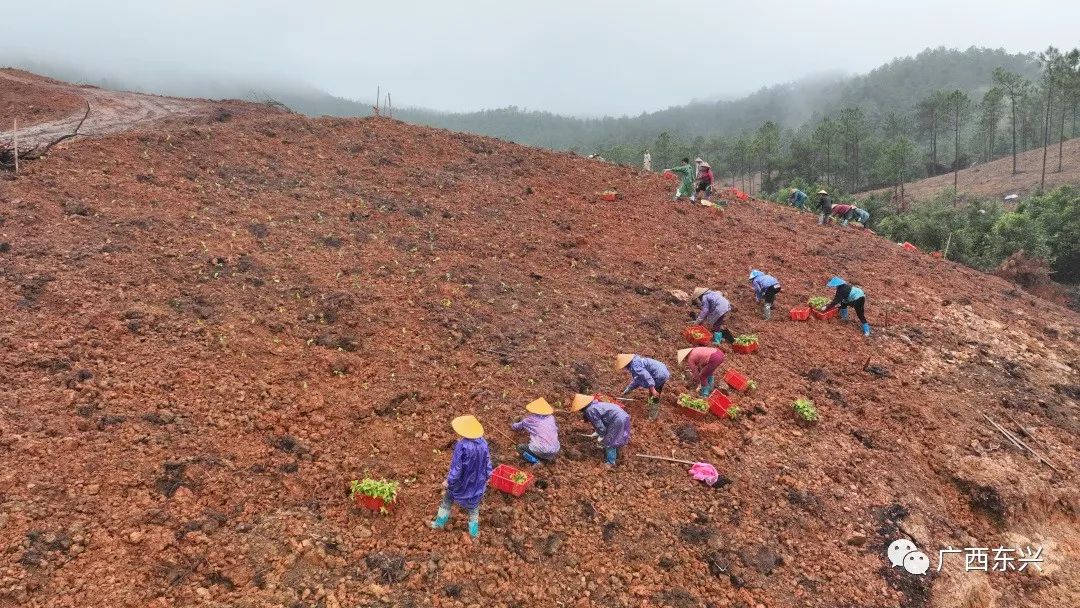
pixel 703 471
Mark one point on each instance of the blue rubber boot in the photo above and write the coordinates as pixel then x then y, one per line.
pixel 708 388
pixel 529 458
pixel 843 314
pixel 441 518
pixel 866 329
pixel 717 337
pixel 474 528
pixel 610 454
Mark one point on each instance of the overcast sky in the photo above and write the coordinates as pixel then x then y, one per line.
pixel 570 56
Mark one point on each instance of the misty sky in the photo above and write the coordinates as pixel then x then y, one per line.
pixel 570 56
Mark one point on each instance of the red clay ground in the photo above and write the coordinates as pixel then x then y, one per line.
pixel 212 326
pixel 995 180
pixel 33 99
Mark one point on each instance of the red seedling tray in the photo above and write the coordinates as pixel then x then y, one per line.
pixel 824 316
pixel 698 335
pixel 910 247
pixel 745 349
pixel 372 503
pixel 609 197
pixel 691 413
pixel 500 478
pixel 801 313
pixel 736 380
pixel 719 404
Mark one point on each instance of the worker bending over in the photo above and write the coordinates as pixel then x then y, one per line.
pixel 470 468
pixel 797 198
pixel 848 295
pixel 645 373
pixel 765 287
pixel 611 424
pixel 824 206
pixel 686 173
pixel 713 315
pixel 543 433
pixel 701 362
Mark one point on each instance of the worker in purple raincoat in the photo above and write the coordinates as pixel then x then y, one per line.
pixel 610 422
pixel 645 373
pixel 765 287
pixel 470 469
pixel 543 433
pixel 714 311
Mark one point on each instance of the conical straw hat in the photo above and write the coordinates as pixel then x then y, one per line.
pixel 468 427
pixel 540 406
pixel 683 353
pixel 580 401
pixel 622 360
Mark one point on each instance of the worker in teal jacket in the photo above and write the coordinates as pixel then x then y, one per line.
pixel 687 173
pixel 848 295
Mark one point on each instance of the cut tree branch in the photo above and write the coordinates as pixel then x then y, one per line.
pixel 7 155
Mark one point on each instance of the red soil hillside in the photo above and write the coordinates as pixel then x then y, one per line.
pixel 212 326
pixel 32 99
pixel 995 179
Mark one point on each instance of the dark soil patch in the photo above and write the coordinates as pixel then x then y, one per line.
pixel 695 534
pixel 173 478
pixel 686 433
pixel 388 567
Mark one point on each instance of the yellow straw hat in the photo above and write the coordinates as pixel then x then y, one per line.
pixel 540 406
pixel 622 360
pixel 683 353
pixel 468 427
pixel 579 402
pixel 700 291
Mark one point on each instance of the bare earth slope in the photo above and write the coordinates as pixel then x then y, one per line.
pixel 995 179
pixel 211 327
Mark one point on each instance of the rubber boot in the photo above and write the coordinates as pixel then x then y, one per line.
pixel 707 389
pixel 717 337
pixel 441 518
pixel 529 458
pixel 768 311
pixel 866 329
pixel 474 528
pixel 610 454
pixel 843 314
pixel 653 405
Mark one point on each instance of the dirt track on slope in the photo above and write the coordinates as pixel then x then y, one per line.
pixel 110 111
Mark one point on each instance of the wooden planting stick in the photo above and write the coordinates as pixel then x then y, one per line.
pixel 665 458
pixel 1026 432
pixel 1022 445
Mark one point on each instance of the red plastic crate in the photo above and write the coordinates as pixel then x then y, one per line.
pixel 372 503
pixel 698 335
pixel 736 380
pixel 719 404
pixel 745 349
pixel 608 196
pixel 668 175
pixel 824 316
pixel 800 313
pixel 690 413
pixel 910 247
pixel 500 478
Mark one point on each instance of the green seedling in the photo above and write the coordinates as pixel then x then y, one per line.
pixel 733 412
pixel 694 403
pixel 751 385
pixel 805 409
pixel 746 339
pixel 375 488
pixel 818 302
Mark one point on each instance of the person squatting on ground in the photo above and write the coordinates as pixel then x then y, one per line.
pixel 765 288
pixel 470 468
pixel 798 199
pixel 645 373
pixel 713 315
pixel 543 433
pixel 704 182
pixel 848 295
pixel 686 173
pixel 701 362
pixel 611 424
pixel 824 206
